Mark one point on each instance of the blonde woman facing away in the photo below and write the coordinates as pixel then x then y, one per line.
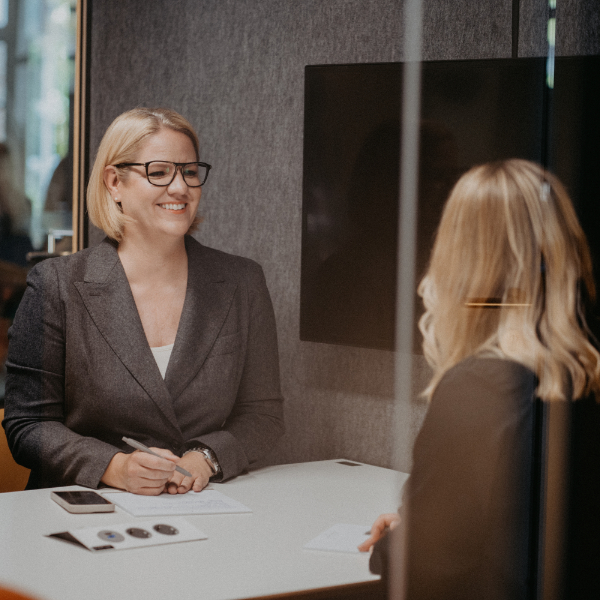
pixel 148 335
pixel 503 329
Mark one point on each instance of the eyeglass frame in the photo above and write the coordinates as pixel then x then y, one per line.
pixel 177 165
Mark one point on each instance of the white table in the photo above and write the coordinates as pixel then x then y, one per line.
pixel 245 555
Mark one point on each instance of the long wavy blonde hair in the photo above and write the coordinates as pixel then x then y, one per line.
pixel 505 279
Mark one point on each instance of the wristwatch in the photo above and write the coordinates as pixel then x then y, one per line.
pixel 210 456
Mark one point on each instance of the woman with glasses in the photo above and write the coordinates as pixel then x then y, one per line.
pixel 504 329
pixel 148 335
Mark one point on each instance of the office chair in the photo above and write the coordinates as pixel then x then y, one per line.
pixel 13 477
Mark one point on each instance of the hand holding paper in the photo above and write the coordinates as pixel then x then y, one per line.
pixel 379 528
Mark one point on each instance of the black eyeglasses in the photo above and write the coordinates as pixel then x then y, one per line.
pixel 162 172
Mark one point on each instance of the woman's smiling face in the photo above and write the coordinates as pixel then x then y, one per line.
pixel 160 210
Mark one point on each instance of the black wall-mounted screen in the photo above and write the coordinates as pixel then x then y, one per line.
pixel 472 112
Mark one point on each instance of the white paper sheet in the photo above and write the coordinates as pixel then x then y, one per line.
pixel 206 502
pixel 340 538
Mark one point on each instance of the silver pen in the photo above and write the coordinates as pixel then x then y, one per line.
pixel 140 446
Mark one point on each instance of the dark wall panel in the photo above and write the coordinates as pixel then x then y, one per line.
pixel 577 27
pixel 466 29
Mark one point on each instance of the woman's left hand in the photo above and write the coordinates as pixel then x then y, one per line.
pixel 196 464
pixel 379 529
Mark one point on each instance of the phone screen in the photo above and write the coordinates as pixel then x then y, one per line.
pixel 84 498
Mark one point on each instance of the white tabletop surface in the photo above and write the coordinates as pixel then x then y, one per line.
pixel 245 555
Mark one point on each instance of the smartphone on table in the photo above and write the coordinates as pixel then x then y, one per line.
pixel 82 502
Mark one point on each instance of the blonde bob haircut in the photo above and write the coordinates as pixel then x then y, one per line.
pixel 120 144
pixel 507 271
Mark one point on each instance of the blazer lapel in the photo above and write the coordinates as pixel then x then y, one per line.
pixel 208 298
pixel 107 296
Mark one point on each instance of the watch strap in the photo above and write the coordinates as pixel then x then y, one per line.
pixel 210 456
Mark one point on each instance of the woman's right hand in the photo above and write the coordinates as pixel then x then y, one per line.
pixel 378 530
pixel 140 472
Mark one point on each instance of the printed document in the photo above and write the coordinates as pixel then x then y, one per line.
pixel 340 538
pixel 206 502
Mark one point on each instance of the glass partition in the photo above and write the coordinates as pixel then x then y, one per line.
pixel 529 492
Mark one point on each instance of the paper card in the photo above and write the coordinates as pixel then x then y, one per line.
pixel 134 535
pixel 340 538
pixel 206 502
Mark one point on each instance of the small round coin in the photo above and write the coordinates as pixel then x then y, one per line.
pixel 165 529
pixel 138 533
pixel 110 536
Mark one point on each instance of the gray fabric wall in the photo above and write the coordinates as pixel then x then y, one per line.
pixel 235 69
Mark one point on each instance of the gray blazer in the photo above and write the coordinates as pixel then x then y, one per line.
pixel 81 374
